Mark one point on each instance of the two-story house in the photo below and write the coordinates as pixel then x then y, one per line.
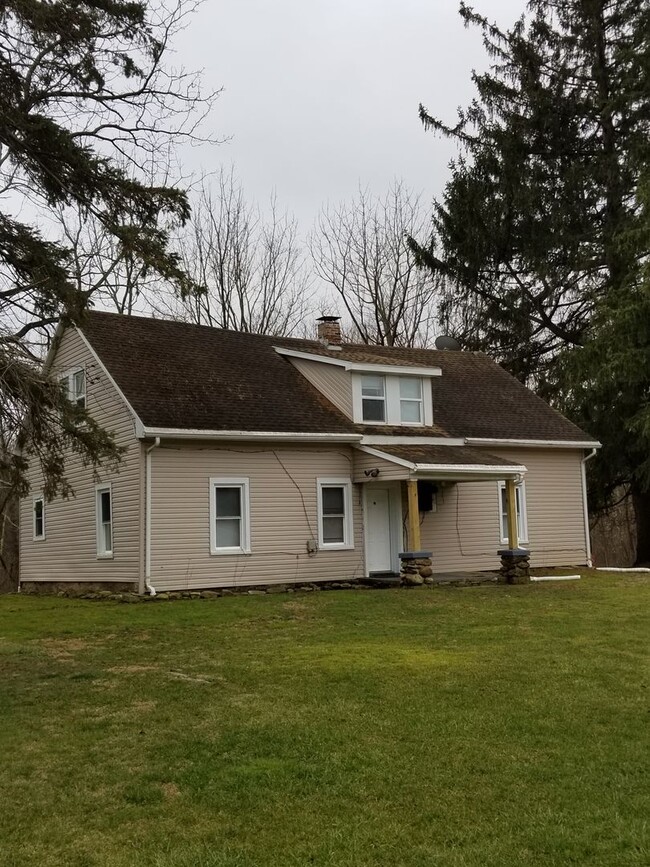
pixel 253 459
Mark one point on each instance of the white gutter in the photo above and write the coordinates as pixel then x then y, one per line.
pixel 147 519
pixel 551 444
pixel 585 505
pixel 470 468
pixel 405 440
pixel 262 436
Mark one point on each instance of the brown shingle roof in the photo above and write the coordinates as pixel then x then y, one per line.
pixel 178 375
pixel 474 397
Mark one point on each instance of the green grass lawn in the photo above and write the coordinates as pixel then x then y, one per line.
pixel 481 726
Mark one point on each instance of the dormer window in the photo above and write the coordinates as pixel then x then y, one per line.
pixel 373 397
pixel 392 399
pixel 410 400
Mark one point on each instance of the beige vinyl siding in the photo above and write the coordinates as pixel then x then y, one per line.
pixel 334 382
pixel 283 515
pixel 387 469
pixel 464 532
pixel 69 551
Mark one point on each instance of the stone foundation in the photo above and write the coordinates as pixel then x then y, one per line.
pixel 416 568
pixel 515 566
pixel 76 588
pixel 125 591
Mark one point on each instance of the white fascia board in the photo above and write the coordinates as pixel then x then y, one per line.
pixel 255 436
pixel 401 369
pixel 475 469
pixel 139 427
pixel 386 440
pixel 376 453
pixel 552 444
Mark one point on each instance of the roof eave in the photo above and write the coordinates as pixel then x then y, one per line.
pixel 244 435
pixel 530 443
pixel 469 472
pixel 360 366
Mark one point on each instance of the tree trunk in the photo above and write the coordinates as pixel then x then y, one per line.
pixel 641 502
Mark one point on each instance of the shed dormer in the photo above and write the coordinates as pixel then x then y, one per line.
pixel 370 393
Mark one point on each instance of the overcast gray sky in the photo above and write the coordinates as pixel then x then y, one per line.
pixel 321 95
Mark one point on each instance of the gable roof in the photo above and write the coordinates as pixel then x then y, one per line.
pixel 194 377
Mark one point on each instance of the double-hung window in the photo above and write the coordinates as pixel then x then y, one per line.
pixel 75 385
pixel 522 518
pixel 39 518
pixel 393 400
pixel 410 399
pixel 373 398
pixel 104 516
pixel 229 516
pixel 335 513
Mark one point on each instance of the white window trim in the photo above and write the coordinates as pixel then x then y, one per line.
pixel 67 377
pixel 392 401
pixel 348 524
pixel 35 500
pixel 522 524
pixel 244 485
pixel 104 555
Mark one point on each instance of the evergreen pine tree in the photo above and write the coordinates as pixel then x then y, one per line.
pixel 86 108
pixel 531 228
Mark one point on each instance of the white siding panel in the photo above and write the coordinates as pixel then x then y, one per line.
pixel 69 551
pixel 334 382
pixel 464 532
pixel 283 517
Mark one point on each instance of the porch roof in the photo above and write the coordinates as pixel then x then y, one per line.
pixel 459 463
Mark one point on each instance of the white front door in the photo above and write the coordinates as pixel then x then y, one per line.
pixel 378 529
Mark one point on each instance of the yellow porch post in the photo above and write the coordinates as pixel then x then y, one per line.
pixel 511 507
pixel 414 514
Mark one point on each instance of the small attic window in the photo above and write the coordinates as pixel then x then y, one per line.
pixel 75 384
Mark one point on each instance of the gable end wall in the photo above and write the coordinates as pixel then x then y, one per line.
pixel 69 550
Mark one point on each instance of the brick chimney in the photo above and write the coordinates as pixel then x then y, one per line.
pixel 329 330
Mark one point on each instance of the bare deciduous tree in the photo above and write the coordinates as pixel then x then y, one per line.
pixel 251 266
pixel 361 251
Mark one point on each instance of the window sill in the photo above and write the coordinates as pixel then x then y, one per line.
pixel 335 547
pixel 237 552
pixel 105 556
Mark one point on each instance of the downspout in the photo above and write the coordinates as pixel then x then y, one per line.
pixel 147 519
pixel 585 507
